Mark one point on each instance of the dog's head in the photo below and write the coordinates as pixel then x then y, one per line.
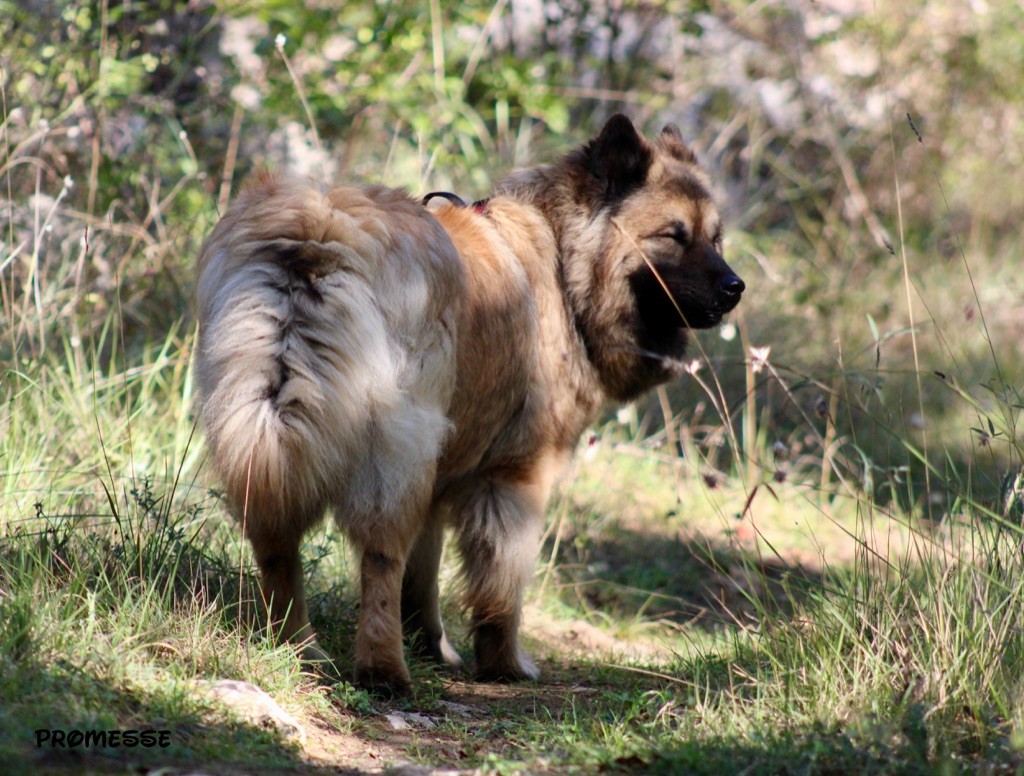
pixel 643 253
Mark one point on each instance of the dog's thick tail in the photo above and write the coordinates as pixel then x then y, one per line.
pixel 306 387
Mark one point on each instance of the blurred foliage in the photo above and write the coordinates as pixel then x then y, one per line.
pixel 795 102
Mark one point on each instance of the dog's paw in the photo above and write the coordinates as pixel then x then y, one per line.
pixel 437 650
pixel 447 656
pixel 513 666
pixel 389 682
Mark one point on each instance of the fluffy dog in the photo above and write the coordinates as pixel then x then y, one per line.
pixel 410 369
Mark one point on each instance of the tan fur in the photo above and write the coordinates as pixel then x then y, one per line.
pixel 407 369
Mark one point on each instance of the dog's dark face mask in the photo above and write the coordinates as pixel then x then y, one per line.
pixel 661 252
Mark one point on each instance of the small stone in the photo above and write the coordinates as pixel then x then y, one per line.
pixel 254 706
pixel 401 768
pixel 403 720
pixel 457 709
pixel 396 722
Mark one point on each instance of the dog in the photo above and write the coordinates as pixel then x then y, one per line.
pixel 410 369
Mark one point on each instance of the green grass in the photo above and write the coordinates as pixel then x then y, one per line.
pixel 803 565
pixel 902 663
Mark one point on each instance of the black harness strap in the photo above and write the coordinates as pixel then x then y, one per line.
pixel 480 206
pixel 453 198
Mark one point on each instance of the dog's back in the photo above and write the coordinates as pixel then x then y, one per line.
pixel 326 347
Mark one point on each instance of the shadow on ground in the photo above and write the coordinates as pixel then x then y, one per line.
pixel 700 580
pixel 197 741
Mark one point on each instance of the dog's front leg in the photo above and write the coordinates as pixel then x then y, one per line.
pixel 499 524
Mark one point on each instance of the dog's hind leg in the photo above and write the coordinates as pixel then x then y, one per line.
pixel 383 545
pixel 380 664
pixel 421 609
pixel 499 527
pixel 280 564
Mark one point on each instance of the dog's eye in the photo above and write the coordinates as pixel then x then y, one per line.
pixel 677 235
pixel 716 238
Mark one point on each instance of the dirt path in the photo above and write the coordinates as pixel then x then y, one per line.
pixel 471 721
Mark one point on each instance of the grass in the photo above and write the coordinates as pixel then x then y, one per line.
pixel 809 634
pixel 790 560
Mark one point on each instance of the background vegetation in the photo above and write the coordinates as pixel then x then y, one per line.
pixel 803 556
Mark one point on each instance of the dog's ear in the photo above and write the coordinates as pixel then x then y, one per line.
pixel 671 139
pixel 619 157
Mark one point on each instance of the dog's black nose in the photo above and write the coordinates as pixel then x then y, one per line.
pixel 731 286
